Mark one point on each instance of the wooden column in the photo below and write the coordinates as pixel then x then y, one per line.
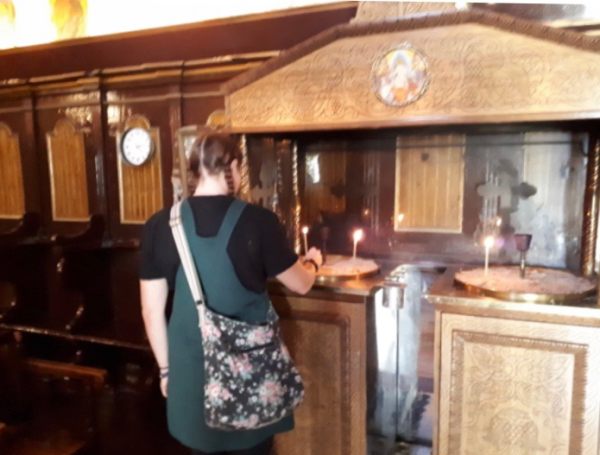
pixel 590 211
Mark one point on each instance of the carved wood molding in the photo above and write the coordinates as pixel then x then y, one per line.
pixel 523 434
pixel 515 386
pixel 474 15
pixel 328 340
pixel 345 326
pixel 483 68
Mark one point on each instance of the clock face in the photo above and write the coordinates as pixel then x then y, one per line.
pixel 136 146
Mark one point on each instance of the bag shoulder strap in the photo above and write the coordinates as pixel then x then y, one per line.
pixel 183 248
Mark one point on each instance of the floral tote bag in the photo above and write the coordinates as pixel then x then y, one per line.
pixel 250 379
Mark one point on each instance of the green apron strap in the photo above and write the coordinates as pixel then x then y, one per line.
pixel 231 218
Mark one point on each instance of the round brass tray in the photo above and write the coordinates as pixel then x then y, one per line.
pixel 370 269
pixel 529 297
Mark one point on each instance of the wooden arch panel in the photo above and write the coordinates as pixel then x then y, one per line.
pixel 140 187
pixel 12 191
pixel 68 175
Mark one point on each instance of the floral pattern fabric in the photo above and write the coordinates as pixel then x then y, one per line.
pixel 251 381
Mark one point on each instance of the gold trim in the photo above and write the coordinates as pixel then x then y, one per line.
pixel 13 138
pixel 81 140
pixel 328 279
pixel 213 94
pixel 143 122
pixel 426 120
pixel 182 133
pixel 458 385
pixel 296 195
pixel 527 297
pixel 244 171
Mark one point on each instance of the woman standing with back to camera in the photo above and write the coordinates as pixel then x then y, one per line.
pixel 236 248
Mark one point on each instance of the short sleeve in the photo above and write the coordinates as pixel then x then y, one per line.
pixel 276 251
pixel 150 267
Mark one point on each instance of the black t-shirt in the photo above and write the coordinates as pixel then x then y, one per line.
pixel 258 247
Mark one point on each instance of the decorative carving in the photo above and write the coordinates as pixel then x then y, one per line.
pixel 484 67
pixel 140 187
pixel 296 196
pixel 12 191
pixel 379 11
pixel 591 206
pixel 186 136
pixel 68 172
pixel 245 171
pixel 326 340
pixel 518 387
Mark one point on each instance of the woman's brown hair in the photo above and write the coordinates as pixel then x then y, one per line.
pixel 212 153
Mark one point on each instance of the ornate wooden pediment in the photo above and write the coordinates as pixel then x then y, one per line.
pixel 481 67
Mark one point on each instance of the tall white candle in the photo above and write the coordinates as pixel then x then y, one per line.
pixel 488 243
pixel 305 235
pixel 357 236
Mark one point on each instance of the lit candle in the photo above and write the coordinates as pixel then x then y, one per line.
pixel 400 218
pixel 488 243
pixel 305 235
pixel 357 236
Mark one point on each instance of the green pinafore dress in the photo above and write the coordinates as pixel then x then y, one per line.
pixel 225 294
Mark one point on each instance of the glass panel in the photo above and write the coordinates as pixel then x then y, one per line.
pixel 506 183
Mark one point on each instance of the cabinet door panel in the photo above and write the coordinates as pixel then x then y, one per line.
pixel 327 341
pixel 517 387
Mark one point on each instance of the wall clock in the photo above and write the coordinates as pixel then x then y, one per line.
pixel 137 146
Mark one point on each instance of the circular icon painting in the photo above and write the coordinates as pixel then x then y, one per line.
pixel 400 77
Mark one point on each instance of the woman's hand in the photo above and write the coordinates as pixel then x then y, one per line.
pixel 300 277
pixel 315 255
pixel 164 382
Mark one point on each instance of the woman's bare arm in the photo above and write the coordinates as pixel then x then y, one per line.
pixel 154 294
pixel 300 278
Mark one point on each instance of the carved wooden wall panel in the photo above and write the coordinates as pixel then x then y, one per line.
pixel 517 387
pixel 323 173
pixel 140 187
pixel 68 175
pixel 328 342
pixel 478 74
pixel 12 191
pixel 430 183
pixel 369 11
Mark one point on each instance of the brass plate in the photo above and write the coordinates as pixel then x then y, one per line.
pixel 372 270
pixel 528 297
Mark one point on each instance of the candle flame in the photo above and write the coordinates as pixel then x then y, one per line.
pixel 358 235
pixel 489 241
pixel 498 221
pixel 400 218
pixel 305 230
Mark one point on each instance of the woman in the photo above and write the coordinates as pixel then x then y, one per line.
pixel 237 247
